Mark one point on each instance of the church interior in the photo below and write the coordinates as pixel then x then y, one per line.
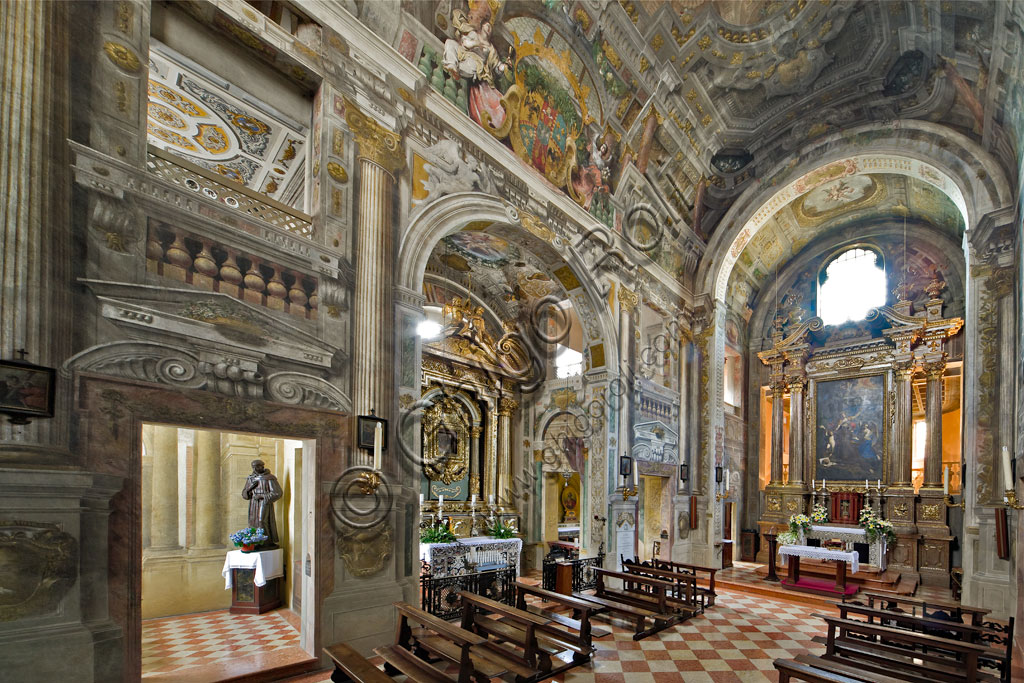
pixel 592 341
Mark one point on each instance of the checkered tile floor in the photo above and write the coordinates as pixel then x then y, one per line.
pixel 198 640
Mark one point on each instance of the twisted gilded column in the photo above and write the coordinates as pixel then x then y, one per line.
pixel 35 239
pixel 208 499
pixel 164 508
pixel 506 406
pixel 380 157
pixel 934 371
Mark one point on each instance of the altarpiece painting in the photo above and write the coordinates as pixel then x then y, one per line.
pixel 849 444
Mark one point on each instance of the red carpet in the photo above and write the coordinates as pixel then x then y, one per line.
pixel 809 585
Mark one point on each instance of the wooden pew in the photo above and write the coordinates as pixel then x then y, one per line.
pixel 581 611
pixel 631 604
pixel 902 602
pixel 820 670
pixel 401 661
pixel 546 647
pixel 998 642
pixel 696 571
pixel 686 594
pixel 349 665
pixel 916 657
pixel 447 641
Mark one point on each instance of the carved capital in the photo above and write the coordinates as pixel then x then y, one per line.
pixel 628 300
pixel 903 369
pixel 507 406
pixel 935 369
pixel 376 143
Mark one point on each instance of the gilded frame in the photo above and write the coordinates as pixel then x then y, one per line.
pixel 812 418
pixel 449 414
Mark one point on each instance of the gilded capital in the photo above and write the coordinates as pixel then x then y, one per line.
pixel 507 406
pixel 935 369
pixel 376 143
pixel 628 300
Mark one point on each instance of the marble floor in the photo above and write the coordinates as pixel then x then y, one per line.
pixel 216 646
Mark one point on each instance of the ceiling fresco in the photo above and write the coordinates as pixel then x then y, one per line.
pixel 208 124
pixel 841 206
pixel 703 98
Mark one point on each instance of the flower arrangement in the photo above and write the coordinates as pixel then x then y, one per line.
pixel 874 526
pixel 248 538
pixel 788 538
pixel 799 523
pixel 819 515
pixel 500 529
pixel 437 534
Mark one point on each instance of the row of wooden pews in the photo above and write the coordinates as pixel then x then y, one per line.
pixel 524 643
pixel 867 642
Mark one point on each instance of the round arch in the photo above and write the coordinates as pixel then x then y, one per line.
pixel 961 169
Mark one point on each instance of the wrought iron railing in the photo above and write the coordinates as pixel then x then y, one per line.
pixel 440 595
pixel 583 575
pixel 233 195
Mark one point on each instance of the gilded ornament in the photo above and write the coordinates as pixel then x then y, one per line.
pixel 337 171
pixel 122 57
pixel 376 143
pixel 791 505
pixel 930 512
pixel 628 300
pixel 446 438
pixel 774 504
pixel 366 551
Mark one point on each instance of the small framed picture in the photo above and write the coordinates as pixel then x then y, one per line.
pixel 366 426
pixel 26 390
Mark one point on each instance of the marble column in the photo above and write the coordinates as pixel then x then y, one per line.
pixel 933 415
pixel 209 531
pixel 35 239
pixel 475 433
pixel 164 510
pixel 373 372
pixel 796 430
pixel 628 303
pixel 901 468
pixel 777 433
pixel 506 406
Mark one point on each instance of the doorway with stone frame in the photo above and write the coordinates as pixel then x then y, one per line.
pixel 191 502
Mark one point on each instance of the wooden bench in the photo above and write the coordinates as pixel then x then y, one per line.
pixel 820 670
pixel 638 607
pixel 400 661
pixel 685 594
pixel 581 611
pixel 997 641
pixel 902 602
pixel 696 571
pixel 446 641
pixel 349 665
pixel 917 657
pixel 546 647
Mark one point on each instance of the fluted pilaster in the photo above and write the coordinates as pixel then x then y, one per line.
pixel 778 432
pixel 796 430
pixel 933 414
pixel 506 407
pixel 35 234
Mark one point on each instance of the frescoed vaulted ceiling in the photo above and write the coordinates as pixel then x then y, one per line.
pixel 207 123
pixel 735 88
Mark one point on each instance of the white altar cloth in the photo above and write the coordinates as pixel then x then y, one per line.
pixel 446 558
pixel 812 553
pixel 269 564
pixel 839 530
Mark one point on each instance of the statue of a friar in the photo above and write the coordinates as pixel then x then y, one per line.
pixel 262 490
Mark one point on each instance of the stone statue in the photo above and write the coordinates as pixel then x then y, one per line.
pixel 262 490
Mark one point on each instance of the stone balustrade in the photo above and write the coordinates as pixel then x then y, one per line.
pixel 204 263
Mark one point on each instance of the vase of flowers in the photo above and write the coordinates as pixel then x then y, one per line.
pixel 819 515
pixel 875 527
pixel 799 524
pixel 249 539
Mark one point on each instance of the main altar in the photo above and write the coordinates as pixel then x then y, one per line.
pixel 482 553
pixel 844 401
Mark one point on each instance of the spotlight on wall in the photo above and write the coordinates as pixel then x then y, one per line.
pixel 684 473
pixel 718 474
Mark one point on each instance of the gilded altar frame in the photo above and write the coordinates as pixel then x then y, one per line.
pixel 446 467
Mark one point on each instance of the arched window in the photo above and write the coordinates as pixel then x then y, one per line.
pixel 850 285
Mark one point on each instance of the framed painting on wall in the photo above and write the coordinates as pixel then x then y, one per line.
pixel 26 391
pixel 849 443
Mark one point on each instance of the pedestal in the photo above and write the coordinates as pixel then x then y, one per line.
pixel 773 546
pixel 248 598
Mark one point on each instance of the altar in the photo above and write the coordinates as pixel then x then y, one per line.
pixel 791 555
pixel 850 535
pixel 484 552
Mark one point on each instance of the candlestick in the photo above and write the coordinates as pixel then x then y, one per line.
pixel 727 480
pixel 945 481
pixel 490 499
pixel 472 502
pixel 824 485
pixel 421 500
pixel 636 477
pixel 878 484
pixel 378 440
pixel 865 484
pixel 1007 472
pixel 440 502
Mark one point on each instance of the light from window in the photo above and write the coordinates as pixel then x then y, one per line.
pixel 568 362
pixel 853 284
